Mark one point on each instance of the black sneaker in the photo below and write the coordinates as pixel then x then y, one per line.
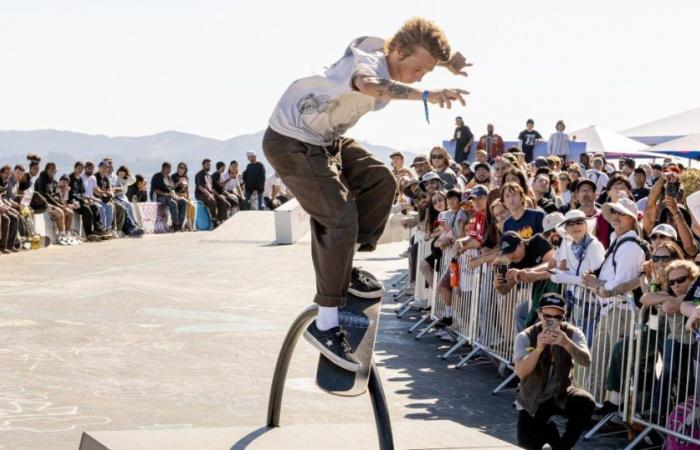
pixel 444 322
pixel 364 285
pixel 333 344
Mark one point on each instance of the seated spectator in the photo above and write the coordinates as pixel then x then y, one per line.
pixel 164 189
pixel 524 221
pixel 182 190
pixel 234 185
pixel 204 192
pixel 87 207
pixel 120 184
pixel 218 184
pixel 102 191
pixel 544 356
pixel 276 192
pixel 528 262
pixel 11 213
pixel 137 192
pixel 46 187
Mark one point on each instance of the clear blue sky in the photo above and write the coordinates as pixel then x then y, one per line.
pixel 218 68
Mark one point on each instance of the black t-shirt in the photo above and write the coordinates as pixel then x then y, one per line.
pixel 215 178
pixel 535 249
pixel 103 184
pixel 77 189
pixel 254 177
pixel 462 137
pixel 134 193
pixel 693 294
pixel 640 193
pixel 528 138
pixel 48 188
pixel 161 183
pixel 202 179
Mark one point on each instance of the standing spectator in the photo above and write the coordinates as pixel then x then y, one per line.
pixel 584 160
pixel 528 139
pixel 421 165
pixel 46 186
pixel 579 252
pixel 544 356
pixel 137 192
pixel 163 188
pixel 640 181
pixel 463 139
pixel 523 221
pixel 254 179
pixel 482 175
pixel 597 175
pixel 491 143
pixel 440 159
pixel 558 144
pixel 397 162
pixel 204 192
pixel 564 181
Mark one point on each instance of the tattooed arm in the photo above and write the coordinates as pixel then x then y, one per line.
pixel 389 89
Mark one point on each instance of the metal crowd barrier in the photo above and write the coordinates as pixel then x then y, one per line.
pixel 664 391
pixel 421 293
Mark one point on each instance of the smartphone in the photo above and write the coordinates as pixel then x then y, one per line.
pixel 550 324
pixel 672 190
pixel 501 269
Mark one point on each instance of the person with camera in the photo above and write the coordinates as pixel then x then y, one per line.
pixel 544 356
pixel 527 263
pixel 671 210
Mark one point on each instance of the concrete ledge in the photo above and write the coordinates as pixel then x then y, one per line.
pixel 408 434
pixel 291 222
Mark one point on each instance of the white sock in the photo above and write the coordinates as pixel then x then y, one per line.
pixel 448 311
pixel 327 317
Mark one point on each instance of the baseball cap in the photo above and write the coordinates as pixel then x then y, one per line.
pixel 250 153
pixel 478 191
pixel 420 159
pixel 551 221
pixel 664 229
pixel 396 154
pixel 509 242
pixel 541 161
pixel 477 166
pixel 552 300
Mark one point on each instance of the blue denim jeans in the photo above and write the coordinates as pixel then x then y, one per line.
pixel 106 215
pixel 130 223
pixel 249 194
pixel 177 209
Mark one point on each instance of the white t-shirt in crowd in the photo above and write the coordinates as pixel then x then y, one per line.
pixel 320 108
pixel 274 180
pixel 89 183
pixel 592 260
pixel 232 182
pixel 599 178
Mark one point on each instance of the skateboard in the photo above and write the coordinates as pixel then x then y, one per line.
pixel 360 318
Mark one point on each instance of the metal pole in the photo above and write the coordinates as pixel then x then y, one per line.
pixel 274 406
pixel 381 412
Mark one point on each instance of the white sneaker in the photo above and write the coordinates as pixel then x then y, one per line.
pixel 72 240
pixel 62 240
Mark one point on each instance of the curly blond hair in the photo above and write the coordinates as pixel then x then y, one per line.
pixel 420 32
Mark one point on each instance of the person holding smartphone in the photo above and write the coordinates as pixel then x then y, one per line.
pixel 544 356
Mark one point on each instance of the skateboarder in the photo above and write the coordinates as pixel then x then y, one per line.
pixel 346 190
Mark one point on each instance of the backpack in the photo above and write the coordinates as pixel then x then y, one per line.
pixel 682 420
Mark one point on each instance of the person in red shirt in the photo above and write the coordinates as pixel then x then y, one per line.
pixel 491 143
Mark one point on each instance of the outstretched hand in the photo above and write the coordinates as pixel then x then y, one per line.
pixel 457 64
pixel 445 97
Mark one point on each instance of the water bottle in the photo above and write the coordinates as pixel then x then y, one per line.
pixel 454 273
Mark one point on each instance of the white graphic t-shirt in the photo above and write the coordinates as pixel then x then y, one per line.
pixel 320 108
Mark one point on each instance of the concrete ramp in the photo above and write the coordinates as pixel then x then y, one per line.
pixel 245 226
pixel 408 434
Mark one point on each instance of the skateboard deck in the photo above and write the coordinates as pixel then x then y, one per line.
pixel 360 318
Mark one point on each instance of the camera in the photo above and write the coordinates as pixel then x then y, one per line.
pixel 672 190
pixel 501 269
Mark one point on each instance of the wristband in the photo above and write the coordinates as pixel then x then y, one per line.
pixel 425 105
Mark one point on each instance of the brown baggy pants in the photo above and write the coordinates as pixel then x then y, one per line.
pixel 349 202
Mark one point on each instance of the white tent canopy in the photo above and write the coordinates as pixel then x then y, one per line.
pixel 684 147
pixel 667 128
pixel 601 140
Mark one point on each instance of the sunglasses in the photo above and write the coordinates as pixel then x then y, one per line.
pixel 560 318
pixel 677 281
pixel 661 258
pixel 437 157
pixel 654 237
pixel 615 212
pixel 575 222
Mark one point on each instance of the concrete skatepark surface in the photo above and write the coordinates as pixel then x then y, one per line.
pixel 182 331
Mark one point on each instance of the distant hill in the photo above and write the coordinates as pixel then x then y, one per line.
pixel 142 154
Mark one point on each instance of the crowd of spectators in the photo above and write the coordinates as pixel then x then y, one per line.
pixel 104 198
pixel 627 232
